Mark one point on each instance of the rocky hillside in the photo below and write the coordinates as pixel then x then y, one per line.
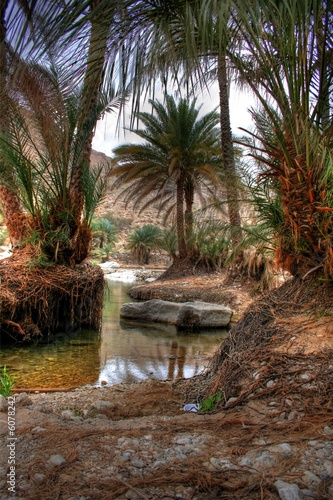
pixel 125 218
pixel 116 207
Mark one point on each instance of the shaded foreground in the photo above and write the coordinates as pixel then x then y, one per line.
pixel 38 303
pixel 272 430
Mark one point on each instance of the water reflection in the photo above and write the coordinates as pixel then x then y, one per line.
pixel 121 352
pixel 133 351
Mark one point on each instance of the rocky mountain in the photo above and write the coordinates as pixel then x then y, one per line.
pixel 125 218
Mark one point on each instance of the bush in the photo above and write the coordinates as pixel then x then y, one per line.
pixel 210 244
pixel 142 240
pixel 103 232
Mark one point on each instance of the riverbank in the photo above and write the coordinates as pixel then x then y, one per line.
pixel 133 441
pixel 136 441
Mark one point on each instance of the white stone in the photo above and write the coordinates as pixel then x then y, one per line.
pixel 288 491
pixel 69 414
pixel 4 255
pixel 57 460
pixel 103 405
pixel 187 315
pixel 265 458
pixel 125 275
pixel 310 478
pixel 328 466
pixel 38 478
pixel 109 265
pixel 281 448
pixel 231 400
pixel 222 463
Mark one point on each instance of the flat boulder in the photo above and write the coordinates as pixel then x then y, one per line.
pixel 184 315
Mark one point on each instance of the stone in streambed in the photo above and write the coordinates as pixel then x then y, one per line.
pixel 184 315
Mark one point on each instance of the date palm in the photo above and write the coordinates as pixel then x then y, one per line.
pixel 12 208
pixel 59 18
pixel 286 60
pixel 157 45
pixel 142 241
pixel 180 156
pixel 41 148
pixel 185 43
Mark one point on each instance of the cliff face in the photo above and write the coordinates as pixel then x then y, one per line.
pixel 116 207
pixel 126 218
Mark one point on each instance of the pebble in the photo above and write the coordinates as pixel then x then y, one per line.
pixel 309 478
pixel 284 448
pixel 23 399
pixel 103 405
pixel 69 414
pixel 288 491
pixel 135 454
pixel 56 460
pixel 38 478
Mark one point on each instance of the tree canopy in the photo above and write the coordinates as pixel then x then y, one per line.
pixel 180 156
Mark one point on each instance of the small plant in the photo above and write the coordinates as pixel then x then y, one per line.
pixel 168 242
pixel 209 243
pixel 6 383
pixel 210 403
pixel 142 240
pixel 104 233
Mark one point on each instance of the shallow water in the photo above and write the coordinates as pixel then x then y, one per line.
pixel 121 352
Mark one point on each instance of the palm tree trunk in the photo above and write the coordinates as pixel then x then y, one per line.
pixel 182 247
pixel 227 151
pixel 15 218
pixel 189 199
pixel 90 96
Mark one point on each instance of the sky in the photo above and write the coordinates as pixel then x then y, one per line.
pixel 106 138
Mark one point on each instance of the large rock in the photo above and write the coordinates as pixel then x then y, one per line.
pixel 184 315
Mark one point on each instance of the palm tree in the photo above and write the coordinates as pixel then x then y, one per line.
pixel 142 240
pixel 11 206
pixel 180 157
pixel 286 61
pixel 155 44
pixel 136 32
pixel 94 55
pixel 42 148
pixel 189 41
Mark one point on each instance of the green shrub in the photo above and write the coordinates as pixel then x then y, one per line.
pixel 210 403
pixel 210 243
pixel 104 232
pixel 142 240
pixel 168 242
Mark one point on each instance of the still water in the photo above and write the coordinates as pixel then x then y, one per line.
pixel 120 352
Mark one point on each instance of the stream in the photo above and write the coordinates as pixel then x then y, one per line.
pixel 120 352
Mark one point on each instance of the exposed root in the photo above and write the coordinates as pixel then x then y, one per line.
pixel 40 302
pixel 251 363
pixel 185 267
